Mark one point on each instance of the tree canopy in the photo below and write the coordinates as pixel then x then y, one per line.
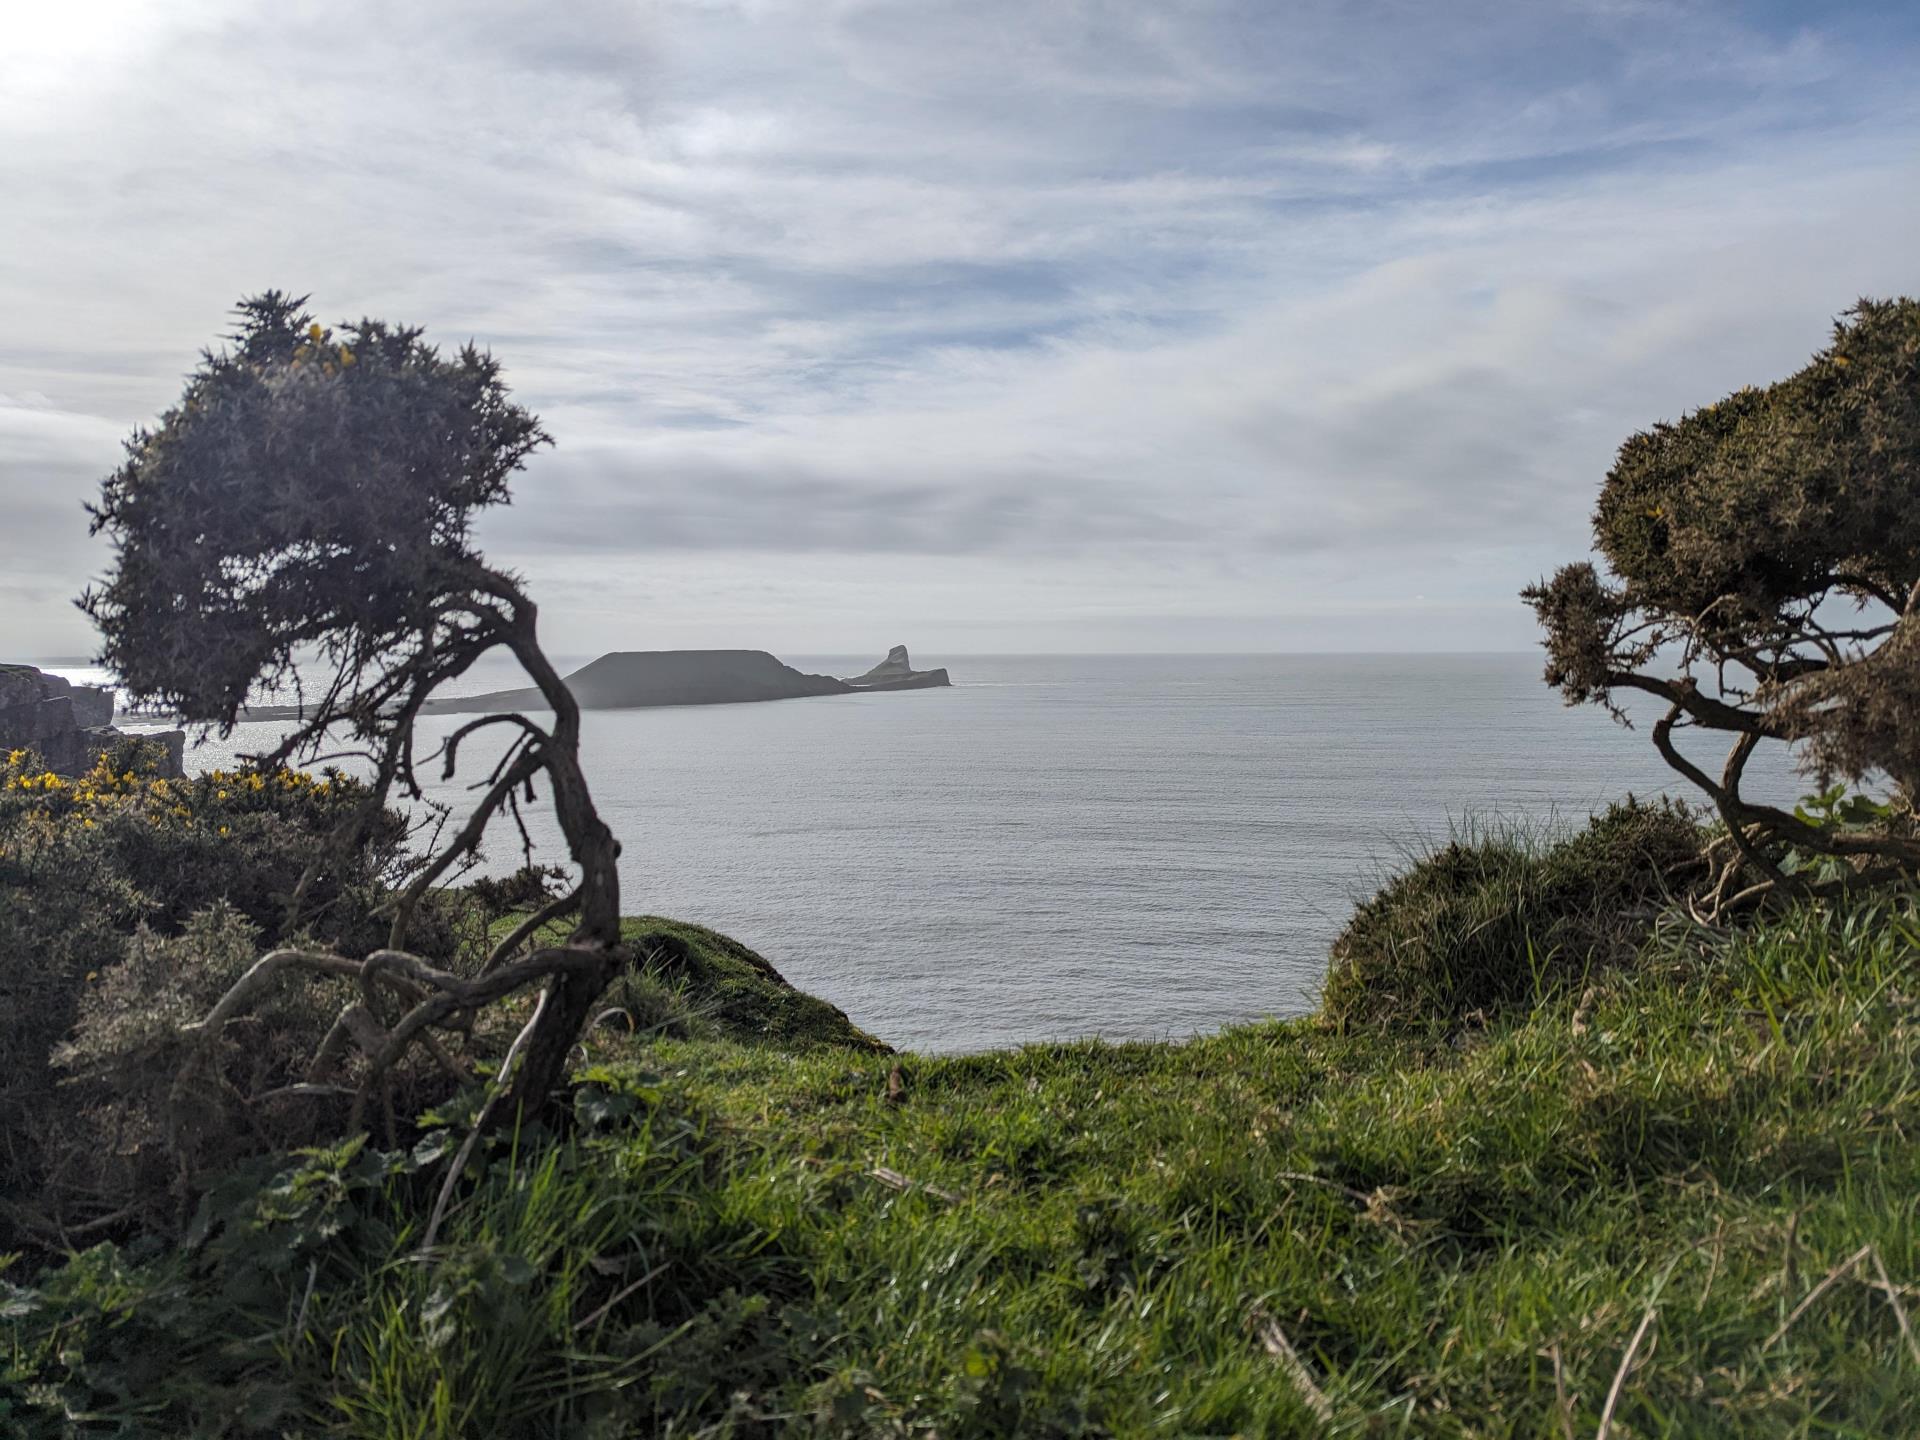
pixel 312 495
pixel 1762 576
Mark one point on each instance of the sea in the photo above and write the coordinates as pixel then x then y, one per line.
pixel 1061 846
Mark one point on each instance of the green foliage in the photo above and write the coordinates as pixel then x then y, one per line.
pixel 1764 553
pixel 1836 810
pixel 124 900
pixel 1500 919
pixel 690 980
pixel 572 1292
pixel 310 488
pixel 1457 1239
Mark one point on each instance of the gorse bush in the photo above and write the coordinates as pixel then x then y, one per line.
pixel 246 837
pixel 1762 579
pixel 125 1134
pixel 122 897
pixel 305 512
pixel 1500 919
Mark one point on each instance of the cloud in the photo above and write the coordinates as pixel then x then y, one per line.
pixel 1303 312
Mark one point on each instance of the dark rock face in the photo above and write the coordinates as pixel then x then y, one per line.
pixel 630 679
pixel 68 726
pixel 691 677
pixel 896 672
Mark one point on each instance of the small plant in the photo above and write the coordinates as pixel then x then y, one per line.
pixel 1836 810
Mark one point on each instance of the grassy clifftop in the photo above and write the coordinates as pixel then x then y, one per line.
pixel 1283 1230
pixel 1664 1186
pixel 696 981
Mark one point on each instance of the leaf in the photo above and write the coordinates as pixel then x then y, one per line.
pixel 17 1304
pixel 432 1146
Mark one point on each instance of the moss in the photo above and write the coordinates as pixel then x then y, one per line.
pixel 694 981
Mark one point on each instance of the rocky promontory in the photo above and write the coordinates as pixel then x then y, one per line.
pixel 896 672
pixel 68 726
pixel 632 679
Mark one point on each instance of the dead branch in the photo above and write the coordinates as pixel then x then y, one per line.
pixel 1274 1341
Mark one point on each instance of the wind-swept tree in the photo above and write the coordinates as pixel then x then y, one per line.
pixel 1764 559
pixel 312 495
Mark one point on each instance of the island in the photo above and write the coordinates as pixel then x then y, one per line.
pixel 632 679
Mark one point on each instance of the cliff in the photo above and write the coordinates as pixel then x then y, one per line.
pixel 631 679
pixel 896 672
pixel 68 726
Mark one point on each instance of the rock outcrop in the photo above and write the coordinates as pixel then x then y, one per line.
pixel 896 672
pixel 68 726
pixel 631 679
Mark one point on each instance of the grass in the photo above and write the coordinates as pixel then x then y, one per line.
pixel 1676 1199
pixel 1456 1241
pixel 1504 915
pixel 696 981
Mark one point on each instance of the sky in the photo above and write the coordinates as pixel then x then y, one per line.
pixel 983 327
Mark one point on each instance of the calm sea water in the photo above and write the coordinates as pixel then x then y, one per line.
pixel 1128 846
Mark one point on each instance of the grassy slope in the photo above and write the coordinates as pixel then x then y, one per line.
pixel 1459 1237
pixel 1437 1229
pixel 700 981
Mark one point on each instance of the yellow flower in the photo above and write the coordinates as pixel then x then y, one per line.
pixel 223 829
pixel 315 333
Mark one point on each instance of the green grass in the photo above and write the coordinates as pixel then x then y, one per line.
pixel 1435 1228
pixel 1507 915
pixel 696 981
pixel 1458 1236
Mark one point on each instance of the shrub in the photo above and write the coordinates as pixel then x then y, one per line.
pixel 1765 555
pixel 121 898
pixel 1494 920
pixel 310 502
pixel 126 1138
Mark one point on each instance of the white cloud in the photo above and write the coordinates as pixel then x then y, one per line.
pixel 1208 325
